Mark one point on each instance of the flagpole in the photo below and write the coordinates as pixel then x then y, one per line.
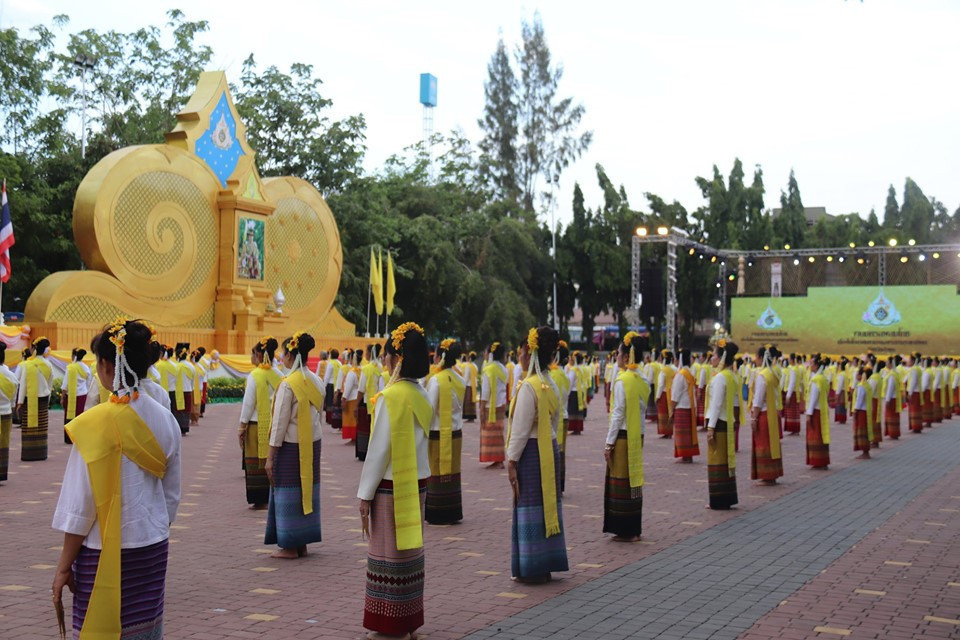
pixel 369 296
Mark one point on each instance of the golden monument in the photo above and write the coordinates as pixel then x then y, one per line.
pixel 187 235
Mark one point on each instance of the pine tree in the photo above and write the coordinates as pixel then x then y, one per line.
pixel 499 160
pixel 891 210
pixel 791 225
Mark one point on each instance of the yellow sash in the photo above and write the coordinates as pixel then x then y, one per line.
pixel 668 375
pixel 307 394
pixel 103 436
pixel 35 368
pixel 336 373
pixel 563 385
pixel 73 372
pixel 581 387
pixel 547 405
pixel 773 419
pixel 8 387
pixel 691 392
pixel 493 373
pixel 821 381
pixel 179 371
pixel 731 384
pixel 869 402
pixel 165 369
pixel 472 375
pixel 635 392
pixel 197 387
pixel 404 401
pixel 875 419
pixel 322 369
pixel 372 372
pixel 449 384
pixel 265 382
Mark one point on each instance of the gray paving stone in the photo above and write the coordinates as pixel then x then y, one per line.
pixel 719 583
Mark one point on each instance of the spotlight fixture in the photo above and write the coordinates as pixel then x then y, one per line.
pixel 641 231
pixel 718 303
pixel 786 247
pixel 829 258
pixel 936 255
pixel 853 245
pixel 692 251
pixel 811 259
pixel 713 258
pixel 904 258
pixel 921 257
pixel 870 244
pixel 662 231
pixel 911 242
pixel 861 258
pixel 766 247
pixel 893 242
pixel 840 259
pixel 731 277
pixel 796 261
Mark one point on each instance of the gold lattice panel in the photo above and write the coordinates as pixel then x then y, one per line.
pixel 151 235
pixel 297 253
pixel 85 309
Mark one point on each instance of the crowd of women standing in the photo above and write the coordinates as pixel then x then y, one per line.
pixel 403 409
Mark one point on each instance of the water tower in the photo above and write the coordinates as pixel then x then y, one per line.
pixel 428 98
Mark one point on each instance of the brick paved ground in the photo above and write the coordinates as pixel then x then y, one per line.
pixel 222 584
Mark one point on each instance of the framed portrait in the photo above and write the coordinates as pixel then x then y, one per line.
pixel 250 243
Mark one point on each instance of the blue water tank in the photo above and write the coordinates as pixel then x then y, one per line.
pixel 428 90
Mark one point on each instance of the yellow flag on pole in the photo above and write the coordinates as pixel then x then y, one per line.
pixel 391 284
pixel 376 279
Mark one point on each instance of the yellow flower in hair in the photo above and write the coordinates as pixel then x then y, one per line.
pixel 494 346
pixel 34 343
pixel 295 341
pixel 265 339
pixel 627 339
pixel 563 344
pixel 446 344
pixel 533 340
pixel 400 332
pixel 721 343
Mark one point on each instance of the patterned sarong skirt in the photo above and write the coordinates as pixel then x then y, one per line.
pixel 763 466
pixel 818 453
pixel 533 554
pixel 254 468
pixel 686 444
pixel 287 525
pixel 721 484
pixel 444 503
pixel 33 440
pixel 622 504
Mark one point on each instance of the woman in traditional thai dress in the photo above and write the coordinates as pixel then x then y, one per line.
pixel 255 420
pixel 538 547
pixel 471 376
pixel 623 490
pixel 371 383
pixel 349 401
pixel 36 380
pixel 446 390
pixel 8 397
pixel 332 413
pixel 562 382
pixel 721 458
pixel 683 401
pixel 493 407
pixel 818 414
pixel 293 461
pixel 181 382
pixel 76 386
pixel 892 398
pixel 840 381
pixel 120 494
pixel 862 414
pixel 664 390
pixel 392 491
pixel 577 401
pixel 766 460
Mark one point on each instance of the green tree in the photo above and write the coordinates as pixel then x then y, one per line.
pixel 791 225
pixel 499 158
pixel 548 124
pixel 891 210
pixel 917 213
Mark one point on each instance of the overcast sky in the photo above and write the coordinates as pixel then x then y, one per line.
pixel 853 96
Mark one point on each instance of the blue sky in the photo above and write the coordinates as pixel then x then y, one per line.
pixel 853 96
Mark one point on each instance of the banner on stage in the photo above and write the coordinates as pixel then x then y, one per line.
pixel 852 320
pixel 776 279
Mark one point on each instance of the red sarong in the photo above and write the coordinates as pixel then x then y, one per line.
pixel 791 415
pixel 664 428
pixel 916 412
pixel 762 465
pixel 685 441
pixel 861 440
pixel 818 453
pixel 877 434
pixel 701 400
pixel 891 420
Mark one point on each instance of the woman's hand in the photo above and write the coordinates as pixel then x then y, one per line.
pixel 608 454
pixel 364 508
pixel 711 436
pixel 60 579
pixel 269 468
pixel 514 480
pixel 242 434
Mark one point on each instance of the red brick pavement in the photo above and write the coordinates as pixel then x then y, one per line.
pixel 220 573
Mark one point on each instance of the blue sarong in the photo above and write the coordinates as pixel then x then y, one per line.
pixel 287 526
pixel 533 554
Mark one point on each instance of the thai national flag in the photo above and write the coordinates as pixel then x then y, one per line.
pixel 6 237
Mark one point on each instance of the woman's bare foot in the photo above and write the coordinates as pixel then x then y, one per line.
pixel 626 539
pixel 285 554
pixel 258 507
pixel 495 465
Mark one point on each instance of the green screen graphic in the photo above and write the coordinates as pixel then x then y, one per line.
pixel 851 320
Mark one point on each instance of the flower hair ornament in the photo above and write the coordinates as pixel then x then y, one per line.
pixel 118 336
pixel 446 344
pixel 533 345
pixel 294 345
pixel 632 359
pixel 396 340
pixel 265 362
pixel 34 344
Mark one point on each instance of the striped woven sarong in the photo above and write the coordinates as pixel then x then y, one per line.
pixel 791 415
pixel 651 407
pixel 350 416
pixel 701 401
pixel 622 505
pixel 762 465
pixel 363 432
pixel 861 441
pixel 183 417
pixel 664 428
pixel 81 403
pixel 916 412
pixel 937 407
pixel 832 399
pixel 927 409
pixel 720 484
pixel 576 415
pixel 736 429
pixel 818 453
pixel 143 573
pixel 840 415
pixel 444 498
pixel 335 417
pixel 6 426
pixel 287 526
pixel 877 431
pixel 491 440
pixel 469 405
pixel 891 420
pixel 394 597
pixel 254 468
pixel 33 440
pixel 685 441
pixel 533 555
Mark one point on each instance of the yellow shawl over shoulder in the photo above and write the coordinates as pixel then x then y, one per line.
pixel 307 394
